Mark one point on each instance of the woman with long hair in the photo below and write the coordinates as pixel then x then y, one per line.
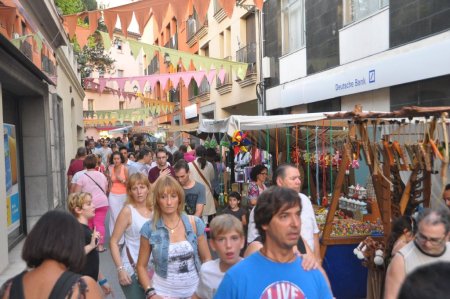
pixel 95 183
pixel 54 253
pixel 177 243
pixel 117 176
pixel 401 234
pixel 137 211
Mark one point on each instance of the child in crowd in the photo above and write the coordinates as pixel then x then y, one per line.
pixel 100 167
pixel 227 239
pixel 234 208
pixel 81 206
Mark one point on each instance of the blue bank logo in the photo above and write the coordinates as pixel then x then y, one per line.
pixel 372 76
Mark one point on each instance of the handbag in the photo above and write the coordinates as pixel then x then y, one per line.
pixel 216 203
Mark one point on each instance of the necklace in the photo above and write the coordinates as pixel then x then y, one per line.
pixel 172 229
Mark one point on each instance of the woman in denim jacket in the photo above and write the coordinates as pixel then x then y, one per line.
pixel 176 241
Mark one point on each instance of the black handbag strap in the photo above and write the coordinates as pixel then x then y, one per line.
pixel 64 285
pixel 95 183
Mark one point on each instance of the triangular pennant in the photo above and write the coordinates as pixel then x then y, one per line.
pixel 142 81
pixel 125 20
pixel 187 77
pixel 135 48
pixel 121 83
pixel 198 77
pixel 201 7
pixel 93 20
pixel 179 9
pixel 142 16
pixel 82 36
pixel 106 40
pixel 241 71
pixel 101 84
pixel 175 79
pixel 159 13
pixel 221 75
pixel 227 6
pixel 185 60
pixel 163 81
pixel 210 76
pixel 110 19
pixel 71 24
pixel 152 81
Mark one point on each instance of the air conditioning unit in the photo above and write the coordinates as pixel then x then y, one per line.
pixel 15 35
pixel 268 67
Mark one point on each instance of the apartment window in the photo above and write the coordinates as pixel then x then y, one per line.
pixel 121 105
pixel 119 73
pixel 293 25
pixel 90 104
pixel 355 10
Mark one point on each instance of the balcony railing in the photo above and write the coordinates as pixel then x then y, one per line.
pixel 153 67
pixel 27 49
pixel 193 26
pixel 217 7
pixel 248 54
pixel 47 65
pixel 197 91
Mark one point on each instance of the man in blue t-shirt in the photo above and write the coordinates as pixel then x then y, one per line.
pixel 274 271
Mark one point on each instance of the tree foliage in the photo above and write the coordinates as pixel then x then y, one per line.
pixel 92 57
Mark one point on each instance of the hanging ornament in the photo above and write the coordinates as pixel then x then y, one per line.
pixel 240 141
pixel 206 144
pixel 225 141
pixel 213 142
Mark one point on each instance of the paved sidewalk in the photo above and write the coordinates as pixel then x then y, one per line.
pixel 16 264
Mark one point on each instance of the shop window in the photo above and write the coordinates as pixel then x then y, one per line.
pixel 121 105
pixel 293 25
pixel 120 73
pixel 355 10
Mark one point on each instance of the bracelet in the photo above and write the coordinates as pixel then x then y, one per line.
pixel 150 292
pixel 102 282
pixel 120 269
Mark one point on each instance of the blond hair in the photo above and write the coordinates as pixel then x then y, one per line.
pixel 77 200
pixel 166 184
pixel 139 178
pixel 225 223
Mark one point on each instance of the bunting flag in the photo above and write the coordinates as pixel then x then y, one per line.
pixel 110 117
pixel 143 10
pixel 163 79
pixel 200 62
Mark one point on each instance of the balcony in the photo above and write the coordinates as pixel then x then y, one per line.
pixel 219 13
pixel 153 67
pixel 248 54
pixel 27 50
pixel 195 30
pixel 47 65
pixel 199 93
pixel 174 95
pixel 225 86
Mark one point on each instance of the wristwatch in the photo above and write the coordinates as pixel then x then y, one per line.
pixel 149 293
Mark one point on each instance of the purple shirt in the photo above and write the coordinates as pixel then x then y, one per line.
pixel 153 174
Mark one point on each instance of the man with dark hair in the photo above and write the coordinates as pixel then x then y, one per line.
pixel 428 282
pixel 161 168
pixel 142 165
pixel 287 175
pixel 124 151
pixel 194 192
pixel 76 165
pixel 277 218
pixel 446 196
pixel 430 246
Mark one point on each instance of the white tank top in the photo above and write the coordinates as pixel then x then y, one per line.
pixel 132 238
pixel 414 258
pixel 182 277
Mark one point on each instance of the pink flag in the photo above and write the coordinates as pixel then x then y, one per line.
pixel 175 79
pixel 221 75
pixel 152 81
pixel 142 81
pixel 121 83
pixel 101 84
pixel 163 78
pixel 186 77
pixel 198 76
pixel 211 75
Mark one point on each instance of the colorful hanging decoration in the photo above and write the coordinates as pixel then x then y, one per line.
pixel 240 141
pixel 225 141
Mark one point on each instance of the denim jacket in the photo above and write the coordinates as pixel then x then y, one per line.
pixel 159 241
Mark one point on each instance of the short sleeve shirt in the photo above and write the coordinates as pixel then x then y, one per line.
pixel 194 196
